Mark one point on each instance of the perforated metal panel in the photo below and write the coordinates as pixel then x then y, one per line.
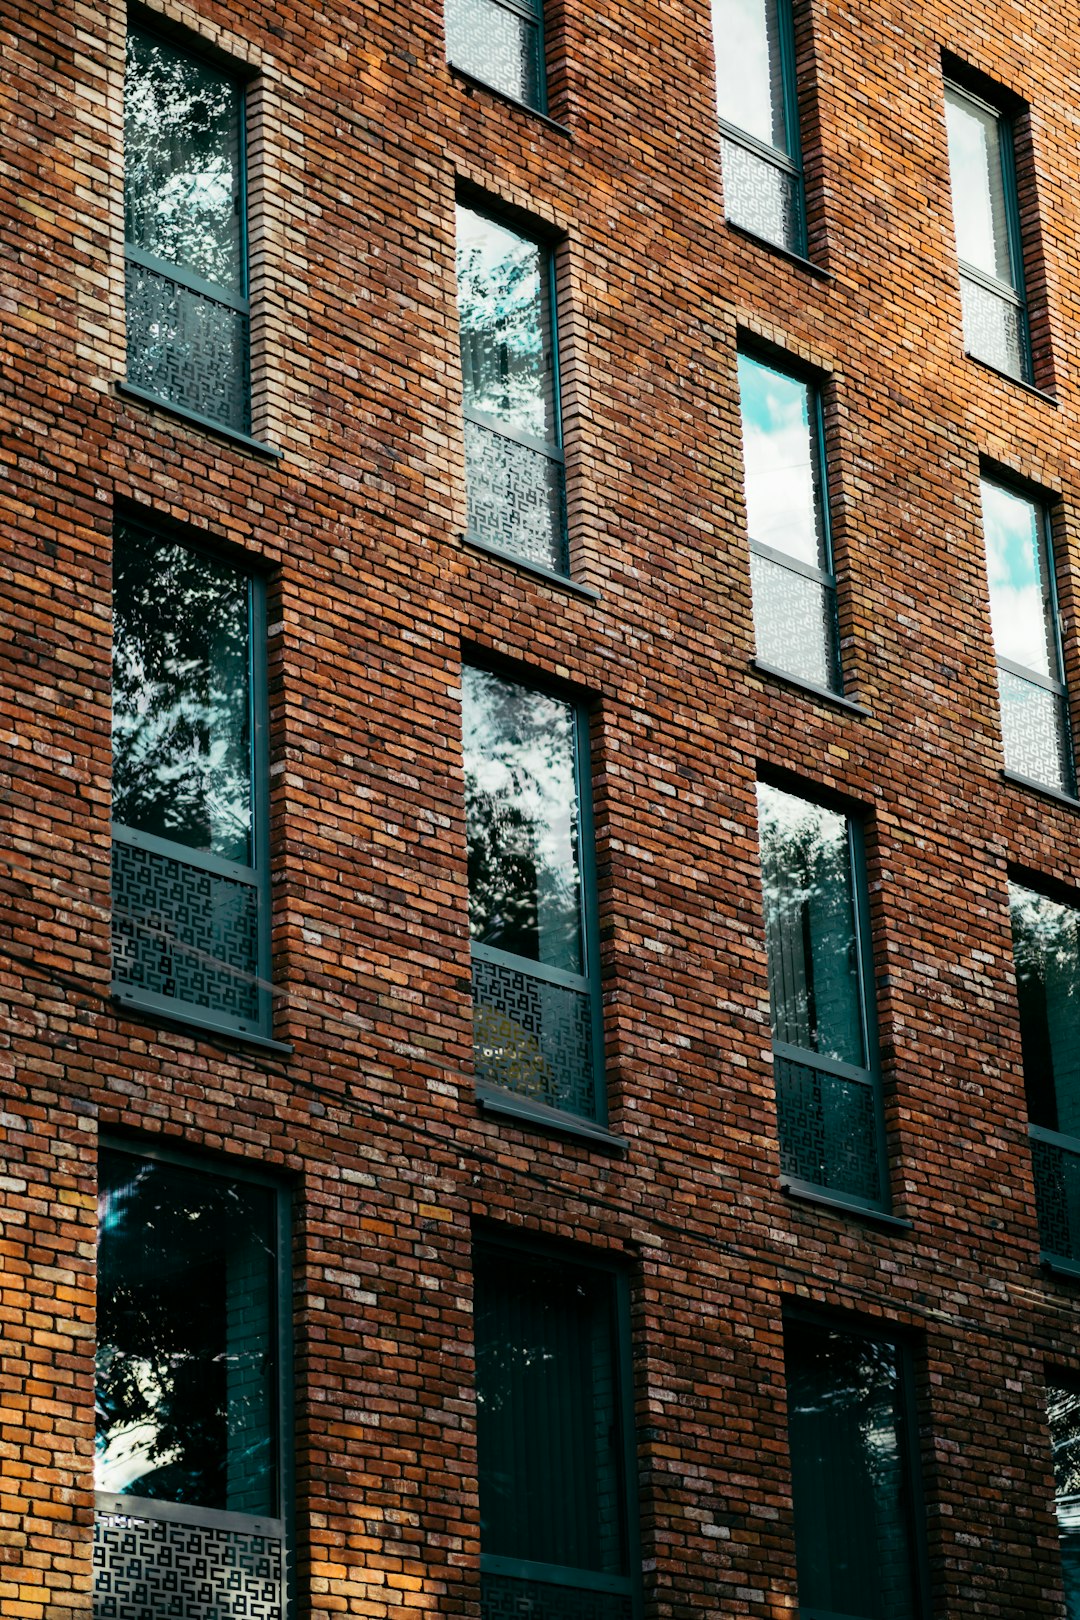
pixel 505 1599
pixel 794 622
pixel 497 44
pixel 533 1038
pixel 187 348
pixel 183 932
pixel 1035 732
pixel 762 197
pixel 151 1569
pixel 994 328
pixel 1057 1195
pixel 515 497
pixel 828 1128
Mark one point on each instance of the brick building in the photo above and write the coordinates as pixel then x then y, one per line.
pixel 542 951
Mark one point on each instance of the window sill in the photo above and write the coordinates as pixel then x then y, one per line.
pixel 1060 1267
pixel 806 265
pixel 232 435
pixel 801 1193
pixel 526 1111
pixel 822 693
pixel 548 575
pixel 1009 376
pixel 1040 787
pixel 473 83
pixel 132 1007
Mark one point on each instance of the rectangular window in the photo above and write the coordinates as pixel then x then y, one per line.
pixel 1063 1412
pixel 824 1048
pixel 191 912
pixel 501 43
pixel 853 1476
pixel 185 233
pixel 1046 954
pixel 554 1422
pixel 987 222
pixel 537 1028
pixel 754 46
pixel 790 556
pixel 1023 611
pixel 513 454
pixel 189 1469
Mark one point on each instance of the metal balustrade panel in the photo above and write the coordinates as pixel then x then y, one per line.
pixel 995 329
pixel 794 622
pixel 154 1569
pixel 187 348
pixel 1035 732
pixel 505 1598
pixel 516 498
pixel 829 1130
pixel 1057 1197
pixel 762 197
pixel 533 1038
pixel 498 45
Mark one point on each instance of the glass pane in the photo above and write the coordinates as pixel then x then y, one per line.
pixel 1057 1197
pixel 978 186
pixel 186 1360
pixel 548 1432
pixel 181 696
pixel 1046 951
pixel 780 464
pixel 995 329
pixel 521 812
pixel 504 309
pixel 182 131
pixel 1021 604
pixel 853 1535
pixel 1034 732
pixel 749 71
pixel 762 198
pixel 515 497
pixel 794 623
pixel 497 45
pixel 814 973
pixel 1063 1412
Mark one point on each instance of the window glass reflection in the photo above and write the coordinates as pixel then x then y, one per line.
pixel 978 186
pixel 521 810
pixel 782 496
pixel 186 1363
pixel 181 696
pixel 1021 604
pixel 1063 1411
pixel 749 75
pixel 503 306
pixel 1046 950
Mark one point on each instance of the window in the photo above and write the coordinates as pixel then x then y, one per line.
pixel 759 124
pixel 513 459
pixel 853 1476
pixel 824 1049
pixel 1023 612
pixel 189 1469
pixel 185 230
pixel 790 560
pixel 500 42
pixel 987 233
pixel 1063 1412
pixel 537 1029
pixel 1046 953
pixel 553 1421
pixel 190 894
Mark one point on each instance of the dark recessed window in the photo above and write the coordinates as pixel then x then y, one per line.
pixel 185 231
pixel 824 1046
pixel 1063 1412
pixel 537 1029
pixel 500 42
pixel 790 555
pixel 513 454
pixel 759 124
pixel 190 892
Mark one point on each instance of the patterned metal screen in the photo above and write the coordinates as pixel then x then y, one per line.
pixel 516 497
pixel 151 1569
pixel 794 622
pixel 828 1128
pixel 763 197
pixel 503 1598
pixel 499 44
pixel 995 328
pixel 187 348
pixel 1035 731
pixel 533 1037
pixel 1057 1194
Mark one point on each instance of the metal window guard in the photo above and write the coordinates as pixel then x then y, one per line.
pixel 780 218
pixel 831 1127
pixel 509 505
pixel 1056 1164
pixel 1023 754
pixel 535 1032
pixel 1015 361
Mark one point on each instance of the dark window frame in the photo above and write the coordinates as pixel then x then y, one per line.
pixel 791 162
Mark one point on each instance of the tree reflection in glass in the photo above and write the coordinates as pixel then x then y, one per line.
pixel 1063 1412
pixel 522 821
pixel 1046 951
pixel 181 696
pixel 186 1364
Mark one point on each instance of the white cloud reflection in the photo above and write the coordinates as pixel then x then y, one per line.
pixel 1019 609
pixel 778 461
pixel 749 90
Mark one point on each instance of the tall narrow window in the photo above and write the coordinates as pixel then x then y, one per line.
pixel 1046 952
pixel 190 896
pixel 513 456
pixel 1063 1411
pixel 759 125
pixel 500 42
pixel 824 1050
pixel 790 560
pixel 987 233
pixel 553 1426
pixel 189 1473
pixel 1023 611
pixel 186 252
pixel 849 1425
pixel 531 895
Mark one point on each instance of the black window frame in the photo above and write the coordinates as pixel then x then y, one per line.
pixel 530 12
